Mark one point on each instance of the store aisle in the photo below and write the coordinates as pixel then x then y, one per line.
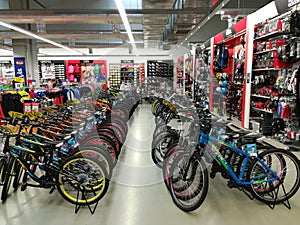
pixel 137 196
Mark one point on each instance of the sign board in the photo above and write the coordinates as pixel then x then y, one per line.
pixel 127 61
pixel 86 61
pixel 20 68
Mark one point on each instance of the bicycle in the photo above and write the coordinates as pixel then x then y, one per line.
pixel 80 179
pixel 271 176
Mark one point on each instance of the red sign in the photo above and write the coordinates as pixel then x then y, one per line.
pixel 19 62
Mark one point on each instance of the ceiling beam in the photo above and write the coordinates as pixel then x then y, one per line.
pixel 51 12
pixel 17 35
pixel 68 19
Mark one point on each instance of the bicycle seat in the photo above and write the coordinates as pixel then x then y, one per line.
pixel 232 135
pixel 252 135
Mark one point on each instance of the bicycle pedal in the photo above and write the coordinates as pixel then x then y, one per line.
pixel 51 190
pixel 23 187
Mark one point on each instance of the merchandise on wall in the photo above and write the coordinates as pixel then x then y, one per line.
pixel 160 74
pixel 274 80
pixel 188 74
pixel 179 85
pixel 114 75
pixel 227 66
pixel 47 70
pixel 127 72
pixel 86 71
pixel 128 77
pixel 7 71
pixel 202 73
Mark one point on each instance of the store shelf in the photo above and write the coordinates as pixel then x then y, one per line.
pixel 262 110
pixel 264 52
pixel 266 69
pixel 261 96
pixel 269 35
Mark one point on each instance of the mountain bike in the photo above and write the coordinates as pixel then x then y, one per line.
pixel 271 176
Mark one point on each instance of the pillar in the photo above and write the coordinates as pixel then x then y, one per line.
pixel 26 47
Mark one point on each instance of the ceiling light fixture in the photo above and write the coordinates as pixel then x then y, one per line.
pixel 23 31
pixel 126 24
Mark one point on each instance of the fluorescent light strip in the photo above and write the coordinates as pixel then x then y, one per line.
pixel 123 15
pixel 23 31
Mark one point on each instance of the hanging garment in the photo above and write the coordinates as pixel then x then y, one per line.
pixel 11 102
pixel 76 93
pixel 70 69
pixel 224 57
pixel 77 69
pixel 97 69
pixel 70 95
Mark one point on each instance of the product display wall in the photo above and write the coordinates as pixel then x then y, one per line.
pixel 274 88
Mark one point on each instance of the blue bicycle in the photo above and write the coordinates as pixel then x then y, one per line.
pixel 271 176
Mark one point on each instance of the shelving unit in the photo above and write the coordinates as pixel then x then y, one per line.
pixel 266 69
pixel 115 75
pixel 160 69
pixel 265 51
pixel 269 35
pixel 261 96
pixel 262 110
pixel 127 72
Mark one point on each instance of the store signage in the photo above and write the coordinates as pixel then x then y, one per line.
pixel 228 33
pixel 46 61
pixel 292 3
pixel 20 68
pixel 127 61
pixel 86 61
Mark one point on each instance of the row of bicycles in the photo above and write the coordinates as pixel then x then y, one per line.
pixel 72 148
pixel 190 145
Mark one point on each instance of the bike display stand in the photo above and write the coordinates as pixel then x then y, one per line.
pixel 273 194
pixel 78 206
pixel 276 190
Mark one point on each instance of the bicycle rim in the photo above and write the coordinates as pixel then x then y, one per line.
pixel 82 180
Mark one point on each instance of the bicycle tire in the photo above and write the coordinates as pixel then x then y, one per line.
pixel 107 145
pixel 3 166
pixel 18 173
pixel 158 150
pixel 99 154
pixel 79 167
pixel 282 163
pixel 192 197
pixel 8 178
pixel 168 162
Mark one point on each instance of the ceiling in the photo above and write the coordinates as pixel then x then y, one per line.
pixel 97 24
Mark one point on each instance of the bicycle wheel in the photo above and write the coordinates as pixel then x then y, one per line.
pixel 3 166
pixel 285 165
pixel 189 172
pixel 169 159
pixel 18 173
pixel 82 180
pixel 99 154
pixel 105 142
pixel 8 178
pixel 160 146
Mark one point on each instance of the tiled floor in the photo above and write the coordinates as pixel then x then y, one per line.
pixel 137 196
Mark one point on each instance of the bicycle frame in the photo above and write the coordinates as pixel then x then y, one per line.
pixel 210 143
pixel 25 165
